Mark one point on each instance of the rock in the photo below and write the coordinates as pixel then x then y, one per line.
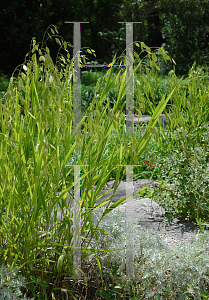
pixel 147 213
pixel 146 118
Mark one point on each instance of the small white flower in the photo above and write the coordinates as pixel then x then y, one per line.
pixel 24 68
pixel 42 58
pixel 36 147
pixel 50 79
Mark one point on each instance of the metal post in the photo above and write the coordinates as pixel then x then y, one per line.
pixel 77 131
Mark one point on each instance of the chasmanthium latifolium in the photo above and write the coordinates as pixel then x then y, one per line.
pixel 37 173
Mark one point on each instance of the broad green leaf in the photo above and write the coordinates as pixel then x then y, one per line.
pixel 68 155
pixel 109 129
pixel 117 178
pixel 154 57
pixel 99 266
pixel 34 48
pixel 120 155
pixel 120 95
pixel 136 55
pixel 147 135
pixel 173 61
pixel 164 54
pixel 33 278
pixel 34 42
pixel 42 283
pixel 142 45
pixel 60 262
pixel 58 41
pixel 151 62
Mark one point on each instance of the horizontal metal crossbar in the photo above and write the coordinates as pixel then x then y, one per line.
pixel 99 66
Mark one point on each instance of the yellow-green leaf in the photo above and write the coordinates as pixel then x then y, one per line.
pixel 165 56
pixel 100 269
pixel 136 55
pixel 60 262
pixel 142 45
pixel 148 49
pixel 173 61
pixel 120 154
pixel 35 48
pixel 58 41
pixel 154 57
pixel 151 62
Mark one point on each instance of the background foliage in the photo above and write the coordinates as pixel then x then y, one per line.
pixel 181 27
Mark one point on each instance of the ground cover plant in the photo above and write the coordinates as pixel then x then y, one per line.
pixel 164 271
pixel 33 163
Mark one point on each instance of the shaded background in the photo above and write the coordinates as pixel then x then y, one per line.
pixel 181 27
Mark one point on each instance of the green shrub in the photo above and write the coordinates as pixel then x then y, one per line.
pixel 181 160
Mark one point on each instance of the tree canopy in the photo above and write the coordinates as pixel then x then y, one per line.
pixel 181 27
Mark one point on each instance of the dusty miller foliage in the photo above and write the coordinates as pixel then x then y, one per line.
pixel 10 284
pixel 164 269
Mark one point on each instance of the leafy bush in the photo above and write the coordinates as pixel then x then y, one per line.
pixel 182 161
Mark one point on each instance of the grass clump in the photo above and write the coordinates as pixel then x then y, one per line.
pixel 36 145
pixel 39 156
